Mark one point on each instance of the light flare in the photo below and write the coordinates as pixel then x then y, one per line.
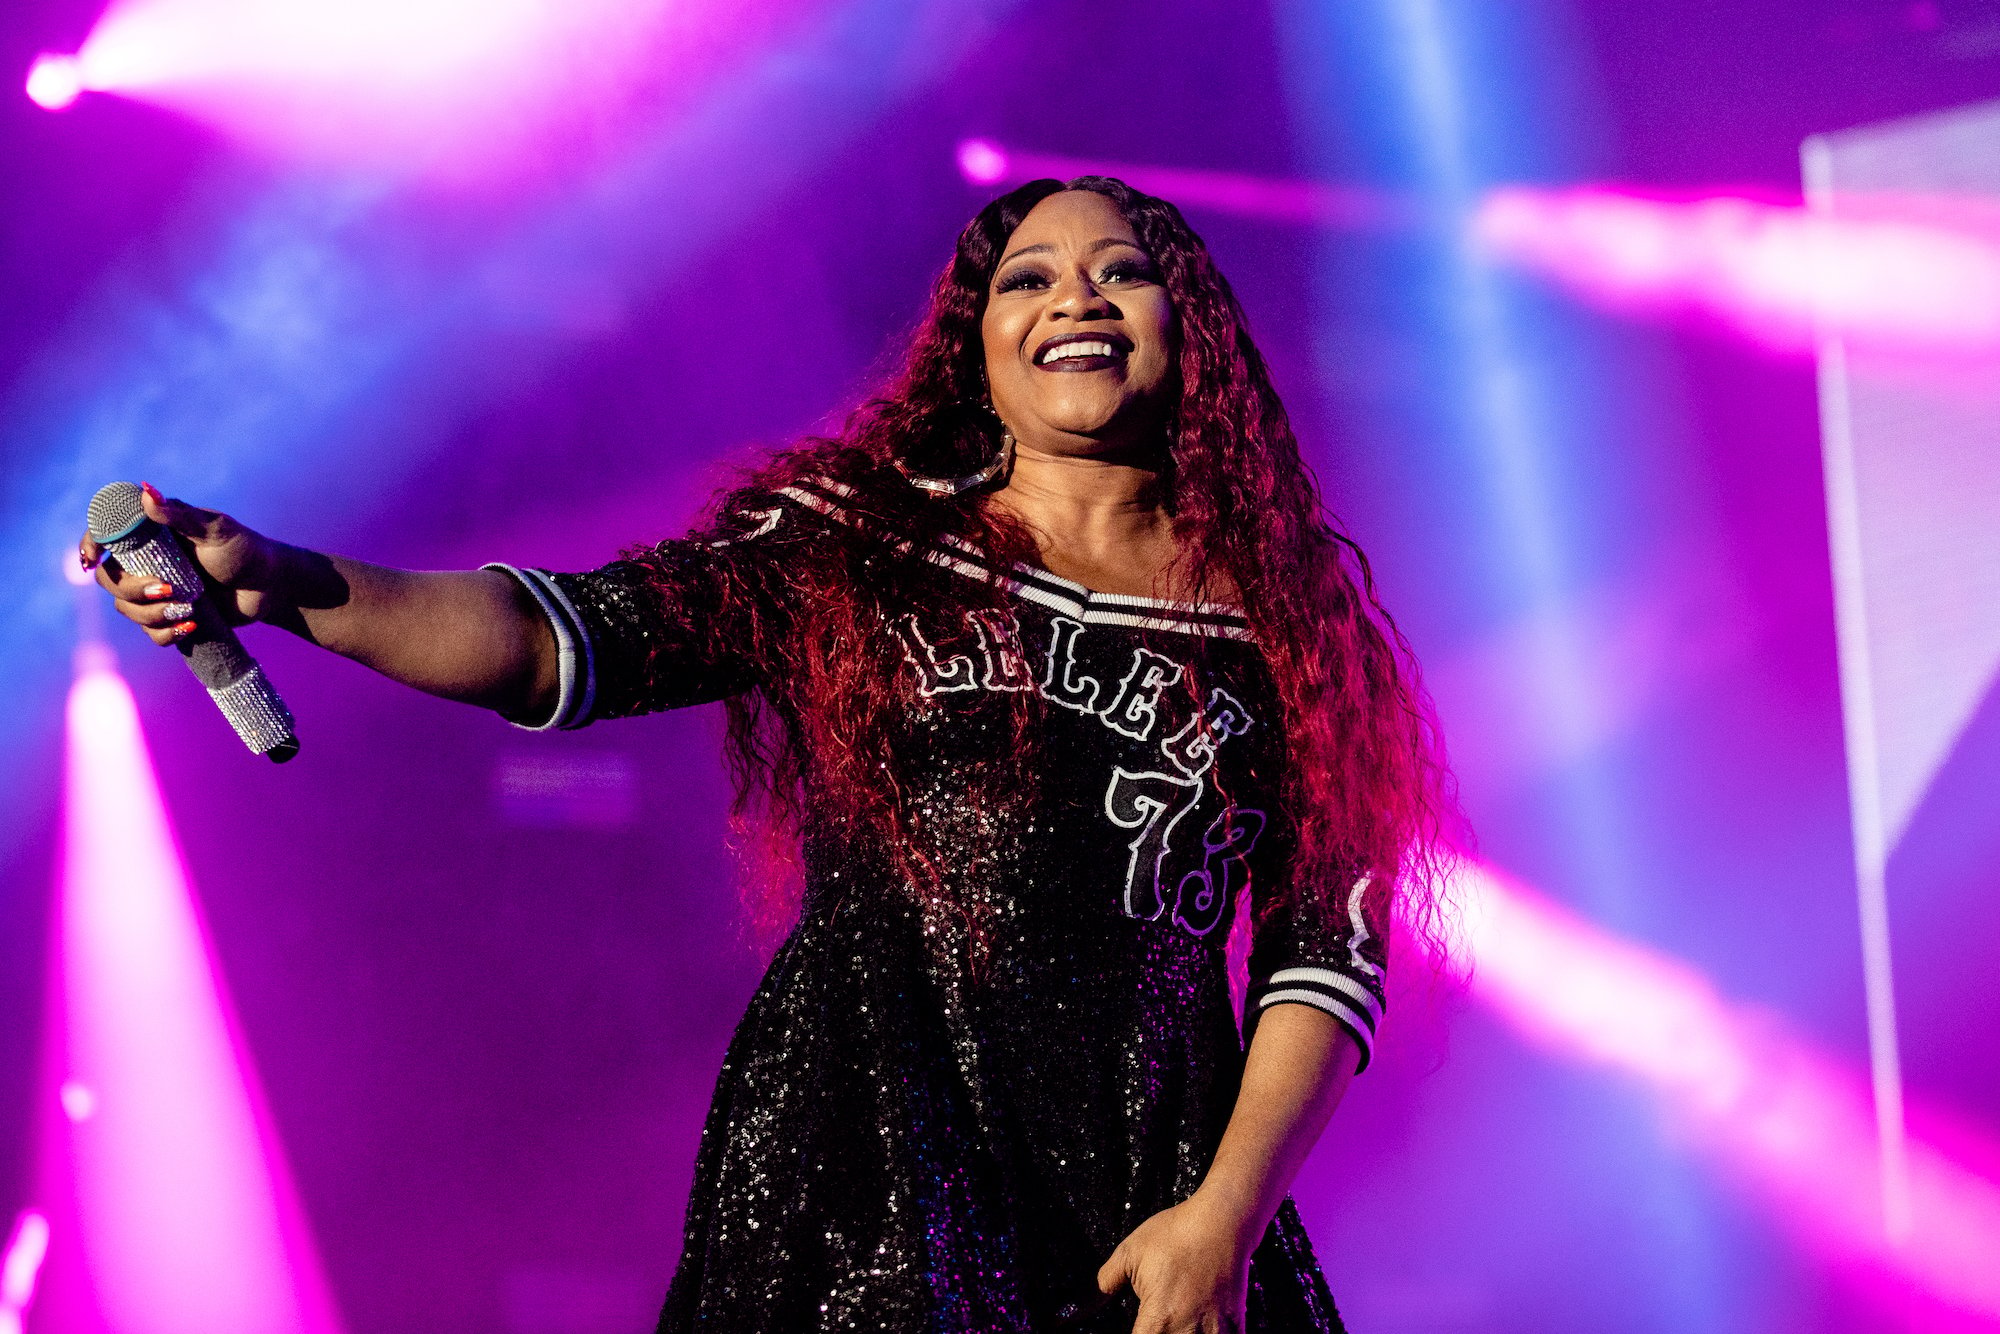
pixel 20 1266
pixel 55 82
pixel 363 82
pixel 1796 1125
pixel 185 1215
pixel 1780 274
pixel 985 163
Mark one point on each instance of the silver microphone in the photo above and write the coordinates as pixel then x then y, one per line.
pixel 234 681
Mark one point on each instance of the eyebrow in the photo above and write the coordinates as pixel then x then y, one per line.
pixel 1102 243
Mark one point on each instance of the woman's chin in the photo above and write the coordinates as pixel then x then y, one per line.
pixel 1085 434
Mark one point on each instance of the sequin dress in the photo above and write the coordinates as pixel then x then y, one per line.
pixel 903 1139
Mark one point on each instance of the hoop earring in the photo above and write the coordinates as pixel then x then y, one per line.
pixel 944 488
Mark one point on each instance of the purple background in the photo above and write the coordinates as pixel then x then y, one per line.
pixel 487 1020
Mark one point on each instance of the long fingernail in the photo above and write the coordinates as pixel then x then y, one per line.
pixel 152 493
pixel 184 629
pixel 158 590
pixel 83 559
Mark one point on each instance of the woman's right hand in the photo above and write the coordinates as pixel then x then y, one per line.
pixel 240 566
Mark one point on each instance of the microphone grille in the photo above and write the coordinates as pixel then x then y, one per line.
pixel 115 511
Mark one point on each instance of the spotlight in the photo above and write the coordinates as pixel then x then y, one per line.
pixel 54 82
pixel 184 1212
pixel 79 1101
pixel 19 1266
pixel 982 161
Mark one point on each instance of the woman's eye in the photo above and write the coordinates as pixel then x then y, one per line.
pixel 1019 280
pixel 1126 271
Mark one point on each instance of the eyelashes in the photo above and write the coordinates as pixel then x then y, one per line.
pixel 1127 270
pixel 1118 271
pixel 1020 279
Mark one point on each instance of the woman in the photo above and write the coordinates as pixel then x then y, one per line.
pixel 1050 662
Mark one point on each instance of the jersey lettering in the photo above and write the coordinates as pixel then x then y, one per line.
pixel 1060 681
pixel 1192 749
pixel 1135 708
pixel 1204 895
pixel 1006 665
pixel 936 674
pixel 1152 804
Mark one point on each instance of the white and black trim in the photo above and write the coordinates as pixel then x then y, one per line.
pixel 1025 581
pixel 576 675
pixel 1357 1006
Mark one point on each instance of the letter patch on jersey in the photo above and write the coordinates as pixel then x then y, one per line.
pixel 1192 749
pixel 1135 708
pixel 1060 681
pixel 1000 644
pixel 937 674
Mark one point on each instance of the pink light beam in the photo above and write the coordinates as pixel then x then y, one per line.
pixel 985 163
pixel 1781 275
pixel 363 81
pixel 187 1219
pixel 1919 276
pixel 55 82
pixel 19 1267
pixel 1798 1127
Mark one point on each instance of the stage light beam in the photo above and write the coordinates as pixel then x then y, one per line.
pixel 55 82
pixel 1793 1124
pixel 19 1268
pixel 184 1214
pixel 1781 275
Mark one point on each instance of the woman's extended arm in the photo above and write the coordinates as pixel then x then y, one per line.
pixel 473 635
pixel 1189 1265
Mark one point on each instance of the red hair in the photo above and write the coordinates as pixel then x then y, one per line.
pixel 1364 782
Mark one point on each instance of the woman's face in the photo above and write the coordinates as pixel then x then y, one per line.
pixel 1079 333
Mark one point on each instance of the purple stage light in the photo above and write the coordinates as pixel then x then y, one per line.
pixel 982 162
pixel 1795 1124
pixel 20 1265
pixel 1779 274
pixel 367 82
pixel 1776 274
pixel 985 163
pixel 55 82
pixel 79 1100
pixel 185 1216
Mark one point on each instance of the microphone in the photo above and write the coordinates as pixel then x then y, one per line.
pixel 235 682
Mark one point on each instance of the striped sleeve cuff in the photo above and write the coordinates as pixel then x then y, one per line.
pixel 1357 1007
pixel 576 674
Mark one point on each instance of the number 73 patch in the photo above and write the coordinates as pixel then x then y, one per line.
pixel 1203 879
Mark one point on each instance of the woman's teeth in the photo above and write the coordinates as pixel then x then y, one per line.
pixel 1067 351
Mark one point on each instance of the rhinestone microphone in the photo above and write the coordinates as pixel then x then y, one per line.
pixel 234 680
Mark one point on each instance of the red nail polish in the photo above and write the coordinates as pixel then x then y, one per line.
pixel 159 590
pixel 184 629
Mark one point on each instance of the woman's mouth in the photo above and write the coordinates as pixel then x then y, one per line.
pixel 1083 352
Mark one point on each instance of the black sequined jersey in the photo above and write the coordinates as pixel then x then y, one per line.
pixel 903 1139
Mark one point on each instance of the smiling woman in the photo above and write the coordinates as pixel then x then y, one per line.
pixel 1053 666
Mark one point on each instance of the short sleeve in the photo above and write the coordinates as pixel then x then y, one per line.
pixel 682 623
pixel 1331 955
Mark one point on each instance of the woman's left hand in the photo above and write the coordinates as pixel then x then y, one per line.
pixel 1189 1266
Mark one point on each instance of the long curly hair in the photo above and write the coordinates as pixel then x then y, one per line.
pixel 1364 782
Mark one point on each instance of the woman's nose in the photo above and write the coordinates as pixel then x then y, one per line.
pixel 1078 297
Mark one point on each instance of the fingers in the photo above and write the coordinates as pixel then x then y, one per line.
pixel 164 635
pixel 185 519
pixel 163 621
pixel 1114 1273
pixel 163 611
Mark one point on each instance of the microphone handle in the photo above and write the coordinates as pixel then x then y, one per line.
pixel 215 655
